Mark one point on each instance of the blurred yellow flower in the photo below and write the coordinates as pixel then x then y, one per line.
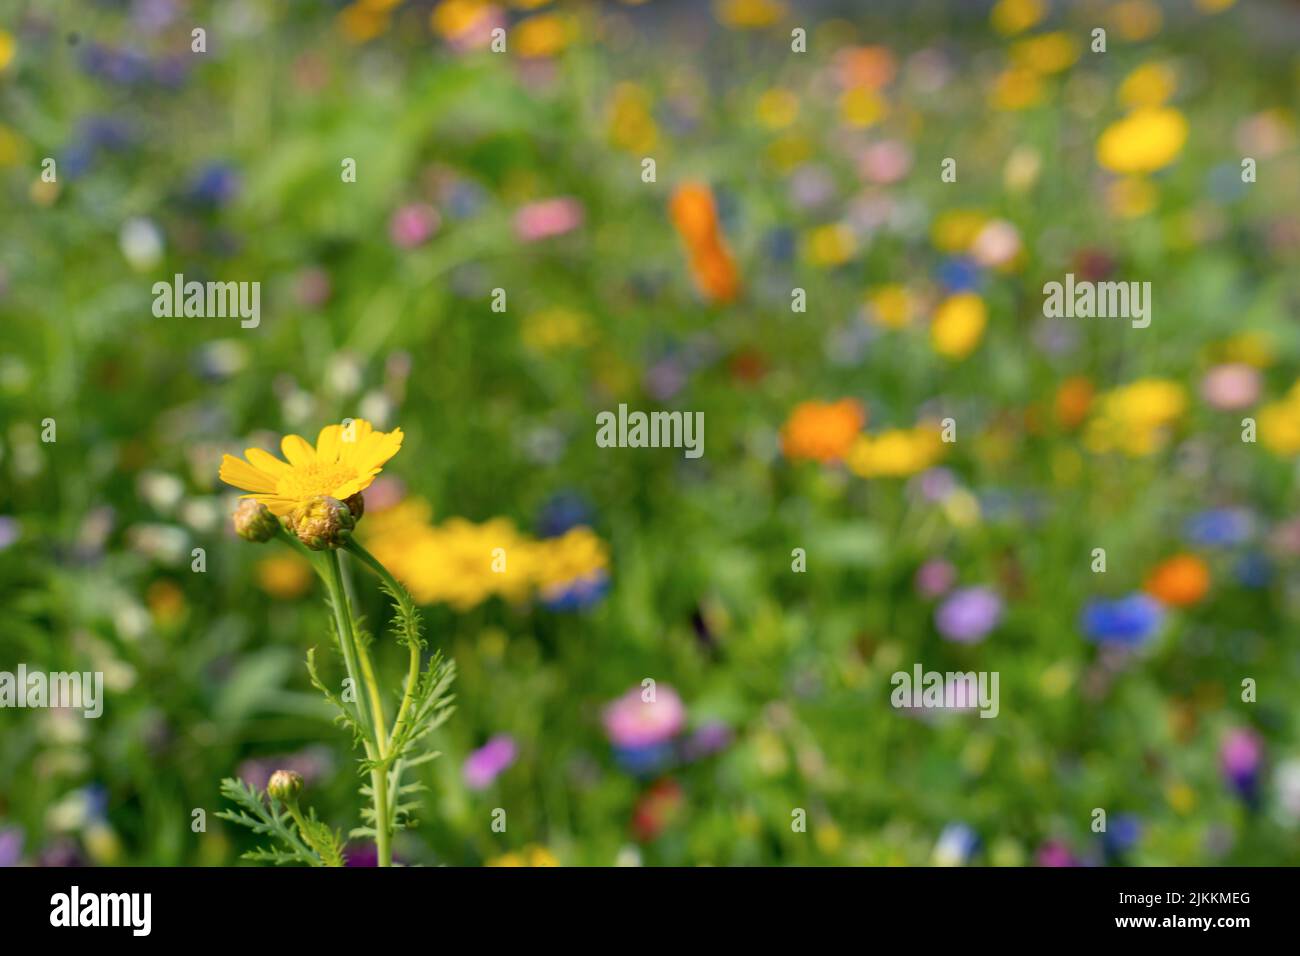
pixel 166 601
pixel 631 124
pixel 543 35
pixel 455 19
pixel 578 554
pixel 777 108
pixel 284 576
pixel 1250 348
pixel 463 563
pixel 360 22
pixel 1136 20
pixel 1022 169
pixel 1279 424
pixel 345 461
pixel 892 306
pixel 1015 16
pixel 957 229
pixel 1214 6
pixel 1017 88
pixel 830 245
pixel 1131 197
pixel 7 49
pixel 555 328
pixel 1136 418
pixel 531 855
pixel 958 325
pixel 1144 141
pixel 1046 53
pixel 787 152
pixel 962 508
pixel 896 453
pixel 861 106
pixel 12 147
pixel 1181 797
pixel 749 14
pixel 1151 84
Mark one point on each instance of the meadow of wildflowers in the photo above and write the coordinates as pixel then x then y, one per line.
pixel 829 229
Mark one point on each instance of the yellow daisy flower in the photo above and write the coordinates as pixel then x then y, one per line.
pixel 345 461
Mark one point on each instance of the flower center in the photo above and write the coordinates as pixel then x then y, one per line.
pixel 313 480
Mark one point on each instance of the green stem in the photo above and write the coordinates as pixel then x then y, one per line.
pixel 408 608
pixel 374 749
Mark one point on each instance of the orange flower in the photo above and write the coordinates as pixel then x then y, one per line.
pixel 1073 401
pixel 1180 581
pixel 865 67
pixel 696 219
pixel 693 213
pixel 715 272
pixel 822 431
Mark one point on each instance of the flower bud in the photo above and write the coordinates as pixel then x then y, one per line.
pixel 357 505
pixel 254 521
pixel 285 785
pixel 322 523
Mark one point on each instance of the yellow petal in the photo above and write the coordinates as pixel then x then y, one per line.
pixel 265 461
pixel 278 506
pixel 381 447
pixel 237 472
pixel 296 449
pixel 352 438
pixel 327 444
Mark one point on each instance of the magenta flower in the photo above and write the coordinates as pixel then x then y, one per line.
pixel 484 765
pixel 632 722
pixel 1055 853
pixel 547 218
pixel 968 615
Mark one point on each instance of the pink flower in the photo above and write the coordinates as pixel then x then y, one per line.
pixel 487 763
pixel 547 218
pixel 412 225
pixel 935 577
pixel 1232 386
pixel 885 162
pixel 633 722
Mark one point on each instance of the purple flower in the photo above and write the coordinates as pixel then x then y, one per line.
pixel 707 740
pixel 11 846
pixel 1240 756
pixel 936 484
pixel 9 531
pixel 968 615
pixel 484 765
